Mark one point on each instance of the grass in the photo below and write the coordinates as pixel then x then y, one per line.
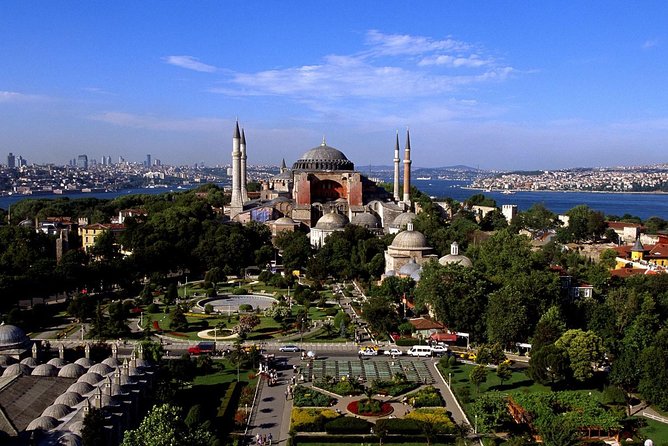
pixel 655 430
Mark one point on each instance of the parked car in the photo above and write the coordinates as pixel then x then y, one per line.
pixel 203 348
pixel 289 348
pixel 368 351
pixel 439 350
pixel 393 352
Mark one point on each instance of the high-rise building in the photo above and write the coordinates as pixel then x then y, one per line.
pixel 22 161
pixel 11 160
pixel 148 160
pixel 82 161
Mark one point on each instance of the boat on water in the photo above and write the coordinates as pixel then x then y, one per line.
pixel 423 178
pixel 508 192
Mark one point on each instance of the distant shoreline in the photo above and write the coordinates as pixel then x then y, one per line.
pixel 500 191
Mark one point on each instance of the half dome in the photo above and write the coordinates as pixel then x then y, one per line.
pixel 85 362
pixel 91 378
pixel 42 423
pixel 57 411
pixel 102 369
pixel 58 362
pixel 70 399
pixel 81 388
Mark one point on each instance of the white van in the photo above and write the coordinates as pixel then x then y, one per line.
pixel 419 350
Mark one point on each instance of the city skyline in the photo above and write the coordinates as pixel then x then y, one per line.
pixel 490 85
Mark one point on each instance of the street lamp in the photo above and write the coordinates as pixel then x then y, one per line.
pixel 450 379
pixel 475 426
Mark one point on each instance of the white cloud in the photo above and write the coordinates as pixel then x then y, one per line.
pixel 650 43
pixel 189 63
pixel 415 70
pixel 404 44
pixel 13 96
pixel 163 124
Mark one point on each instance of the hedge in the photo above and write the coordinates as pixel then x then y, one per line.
pixel 226 400
pixel 407 342
pixel 308 397
pixel 398 426
pixel 311 420
pixel 348 425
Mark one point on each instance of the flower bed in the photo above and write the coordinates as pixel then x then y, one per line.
pixel 426 397
pixel 370 408
pixel 305 397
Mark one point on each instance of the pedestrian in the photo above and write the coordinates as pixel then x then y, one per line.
pixel 269 438
pixel 257 438
pixel 286 394
pixel 264 439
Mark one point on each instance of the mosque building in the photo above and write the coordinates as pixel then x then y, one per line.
pixel 322 182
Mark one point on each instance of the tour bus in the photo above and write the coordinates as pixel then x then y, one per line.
pixel 419 350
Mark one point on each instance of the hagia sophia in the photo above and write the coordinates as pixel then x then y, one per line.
pixel 323 193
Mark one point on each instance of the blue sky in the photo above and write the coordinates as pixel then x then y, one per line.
pixel 494 84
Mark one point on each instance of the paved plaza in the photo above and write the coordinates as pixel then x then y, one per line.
pixel 370 369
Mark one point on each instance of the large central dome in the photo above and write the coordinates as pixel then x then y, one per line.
pixel 323 157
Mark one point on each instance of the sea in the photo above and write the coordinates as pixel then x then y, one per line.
pixel 643 205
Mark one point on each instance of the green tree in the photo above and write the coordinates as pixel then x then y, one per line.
pixel 504 372
pixel 654 375
pixel 93 432
pixel 178 321
pixel 558 432
pixel 584 350
pixel 295 249
pixel 381 314
pixel 457 295
pixel 548 364
pixel 478 376
pixel 164 426
pixel 506 317
pixel 246 324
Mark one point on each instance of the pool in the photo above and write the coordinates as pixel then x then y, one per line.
pixel 232 303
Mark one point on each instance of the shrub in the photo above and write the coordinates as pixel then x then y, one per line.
pixel 343 387
pixel 305 397
pixel 393 388
pixel 437 417
pixel 426 397
pixel 153 308
pixel 245 307
pixel 208 309
pixel 348 425
pixel 452 361
pixel 239 291
pixel 465 394
pixel 407 342
pixel 311 420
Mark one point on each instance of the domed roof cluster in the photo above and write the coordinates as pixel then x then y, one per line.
pixel 332 221
pixel 323 157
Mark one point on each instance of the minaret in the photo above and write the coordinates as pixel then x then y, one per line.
pixel 407 169
pixel 283 166
pixel 236 204
pixel 396 169
pixel 244 190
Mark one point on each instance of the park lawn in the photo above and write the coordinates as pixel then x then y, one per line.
pixel 226 375
pixel 655 430
pixel 321 336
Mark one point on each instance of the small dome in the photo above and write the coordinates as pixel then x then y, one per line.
pixel 70 399
pixel 144 363
pixel 409 240
pixel 102 369
pixel 57 362
pixel 45 370
pixel 365 220
pixel 69 439
pixel 42 423
pixel 91 378
pixel 402 220
pixel 16 370
pixel 416 275
pixel 390 273
pixel 30 362
pixel 71 371
pixel 112 362
pixel 6 360
pixel 57 411
pixel 81 388
pixel 331 221
pixel 12 337
pixel 287 221
pixel 106 400
pixel 455 259
pixel 409 268
pixel 85 362
pixel 76 427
